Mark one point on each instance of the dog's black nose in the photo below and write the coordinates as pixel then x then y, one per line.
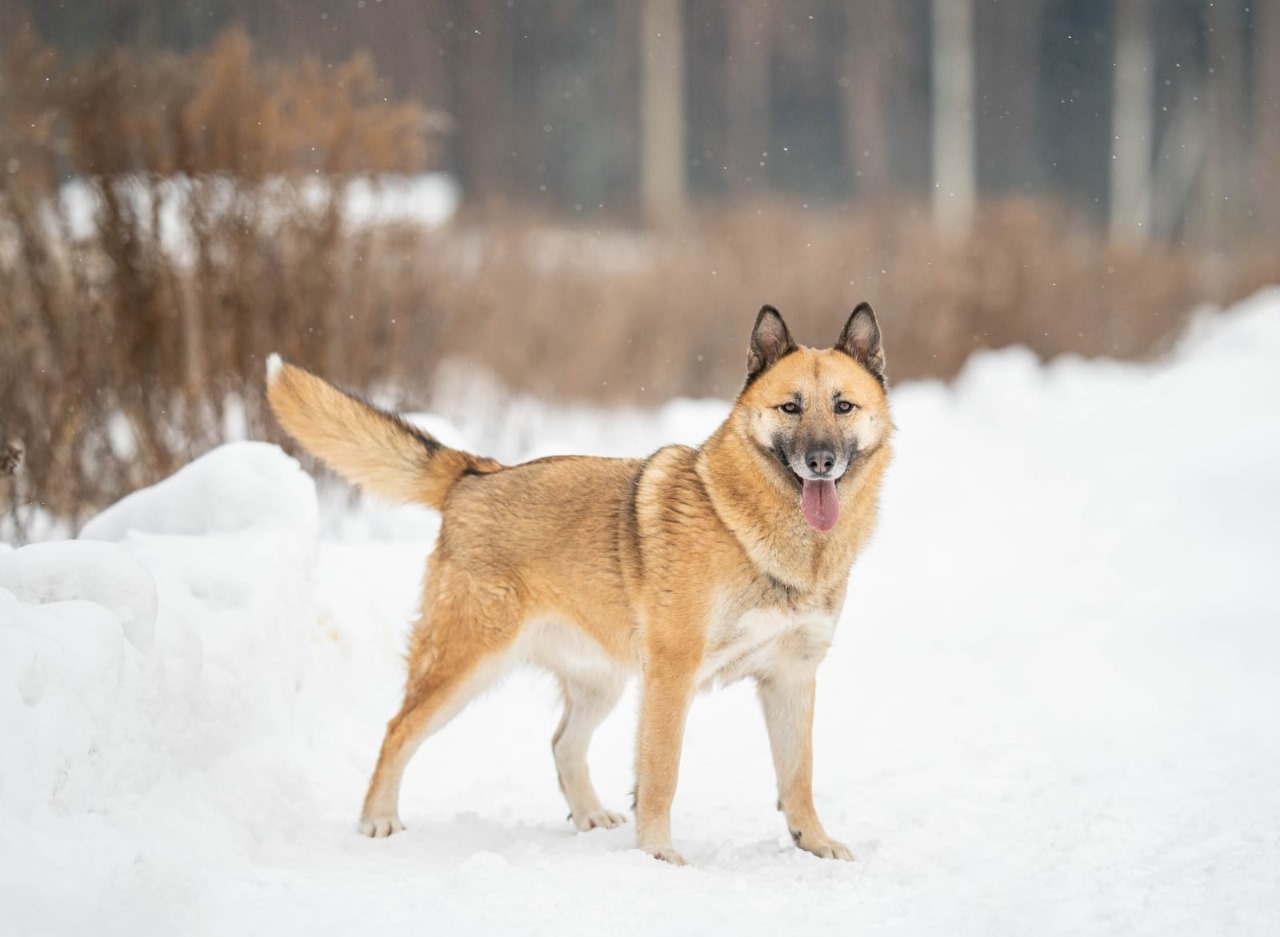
pixel 820 462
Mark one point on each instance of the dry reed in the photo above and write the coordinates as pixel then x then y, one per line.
pixel 122 355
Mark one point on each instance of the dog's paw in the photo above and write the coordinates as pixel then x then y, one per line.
pixel 598 819
pixel 822 847
pixel 833 850
pixel 666 854
pixel 378 827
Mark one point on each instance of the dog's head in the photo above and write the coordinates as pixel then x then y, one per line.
pixel 814 414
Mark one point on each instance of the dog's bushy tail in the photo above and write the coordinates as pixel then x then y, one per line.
pixel 379 451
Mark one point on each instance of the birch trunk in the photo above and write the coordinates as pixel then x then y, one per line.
pixel 1132 115
pixel 954 144
pixel 662 160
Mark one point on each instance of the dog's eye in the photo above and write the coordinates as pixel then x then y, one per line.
pixel 790 407
pixel 845 406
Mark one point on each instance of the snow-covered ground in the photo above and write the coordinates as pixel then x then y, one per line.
pixel 429 200
pixel 1053 706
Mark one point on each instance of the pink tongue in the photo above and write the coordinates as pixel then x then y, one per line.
pixel 820 505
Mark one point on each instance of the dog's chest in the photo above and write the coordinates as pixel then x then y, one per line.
pixel 765 641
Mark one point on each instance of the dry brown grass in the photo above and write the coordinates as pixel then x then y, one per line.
pixel 622 318
pixel 118 355
pixel 120 358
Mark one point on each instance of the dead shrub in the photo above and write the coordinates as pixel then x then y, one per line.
pixel 619 317
pixel 127 348
pixel 212 184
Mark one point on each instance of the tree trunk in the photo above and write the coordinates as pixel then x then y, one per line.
pixel 748 94
pixel 1266 144
pixel 871 52
pixel 1008 71
pixel 954 184
pixel 15 16
pixel 1224 195
pixel 662 159
pixel 1132 114
pixel 483 103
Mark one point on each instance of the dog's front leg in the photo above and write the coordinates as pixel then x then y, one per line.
pixel 667 691
pixel 787 701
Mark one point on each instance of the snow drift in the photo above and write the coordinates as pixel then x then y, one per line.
pixel 1052 706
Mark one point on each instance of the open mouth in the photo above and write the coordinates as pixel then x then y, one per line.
pixel 819 501
pixel 819 497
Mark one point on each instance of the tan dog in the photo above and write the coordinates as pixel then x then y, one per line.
pixel 692 566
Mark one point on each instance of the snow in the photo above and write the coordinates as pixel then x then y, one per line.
pixel 103 573
pixel 240 485
pixel 427 200
pixel 430 200
pixel 1053 705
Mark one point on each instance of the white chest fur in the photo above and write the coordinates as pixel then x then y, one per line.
pixel 763 642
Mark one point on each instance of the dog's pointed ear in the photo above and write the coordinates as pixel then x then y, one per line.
pixel 770 340
pixel 860 340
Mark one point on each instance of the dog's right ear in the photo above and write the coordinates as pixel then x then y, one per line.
pixel 770 340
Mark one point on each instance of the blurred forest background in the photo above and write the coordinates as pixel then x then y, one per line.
pixel 178 182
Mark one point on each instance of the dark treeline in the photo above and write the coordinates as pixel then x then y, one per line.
pixel 1169 109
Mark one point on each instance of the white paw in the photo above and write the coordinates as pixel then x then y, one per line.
pixel 378 827
pixel 598 819
pixel 666 854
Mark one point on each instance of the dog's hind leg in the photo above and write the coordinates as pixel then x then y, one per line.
pixel 459 647
pixel 585 706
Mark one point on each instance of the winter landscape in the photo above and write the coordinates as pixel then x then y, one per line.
pixel 1053 702
pixel 1053 705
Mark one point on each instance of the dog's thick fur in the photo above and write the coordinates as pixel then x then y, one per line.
pixel 692 566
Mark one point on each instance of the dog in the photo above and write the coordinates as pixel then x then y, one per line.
pixel 693 566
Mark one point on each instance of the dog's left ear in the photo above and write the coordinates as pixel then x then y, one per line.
pixel 770 340
pixel 860 340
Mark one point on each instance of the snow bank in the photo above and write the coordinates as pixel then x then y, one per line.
pixel 130 767
pixel 230 539
pixel 97 572
pixel 1053 705
pixel 238 486
pixel 60 665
